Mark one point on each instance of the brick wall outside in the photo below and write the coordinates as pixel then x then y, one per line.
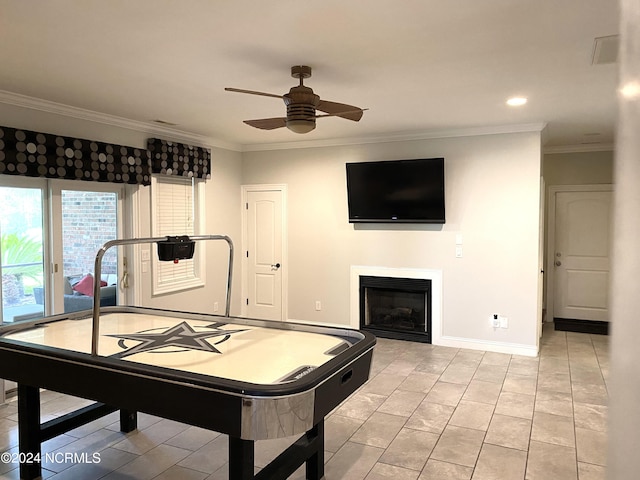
pixel 88 221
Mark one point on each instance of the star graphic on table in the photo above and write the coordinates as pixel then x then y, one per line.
pixel 181 335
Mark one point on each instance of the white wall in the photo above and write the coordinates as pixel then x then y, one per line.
pixel 579 168
pixel 222 205
pixel 492 199
pixel 222 210
pixel 624 385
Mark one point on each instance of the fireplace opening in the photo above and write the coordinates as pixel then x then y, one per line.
pixel 396 307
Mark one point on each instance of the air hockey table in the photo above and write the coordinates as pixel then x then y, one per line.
pixel 249 379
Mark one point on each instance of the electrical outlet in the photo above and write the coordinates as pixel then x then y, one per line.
pixel 504 322
pixel 494 320
pixel 216 307
pixel 318 305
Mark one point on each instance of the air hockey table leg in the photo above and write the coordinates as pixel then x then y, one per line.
pixel 241 458
pixel 29 433
pixel 128 420
pixel 315 463
pixel 308 450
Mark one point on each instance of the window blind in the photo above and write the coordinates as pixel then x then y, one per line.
pixel 174 211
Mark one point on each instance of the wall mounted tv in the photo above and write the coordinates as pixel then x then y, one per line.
pixel 396 191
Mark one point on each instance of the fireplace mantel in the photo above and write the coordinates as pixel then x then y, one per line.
pixel 436 292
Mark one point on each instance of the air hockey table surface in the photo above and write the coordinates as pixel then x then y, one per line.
pixel 250 379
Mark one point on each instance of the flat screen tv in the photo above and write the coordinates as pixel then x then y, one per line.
pixel 396 191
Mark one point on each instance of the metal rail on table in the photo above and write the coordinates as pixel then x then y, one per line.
pixel 95 330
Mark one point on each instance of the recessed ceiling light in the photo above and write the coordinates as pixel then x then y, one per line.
pixel 630 90
pixel 516 101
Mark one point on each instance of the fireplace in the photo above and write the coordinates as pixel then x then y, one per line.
pixel 394 307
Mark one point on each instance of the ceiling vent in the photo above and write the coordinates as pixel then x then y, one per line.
pixel 605 50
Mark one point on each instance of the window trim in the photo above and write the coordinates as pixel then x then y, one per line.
pixel 199 259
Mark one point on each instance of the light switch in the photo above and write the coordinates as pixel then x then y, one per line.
pixel 458 251
pixel 146 255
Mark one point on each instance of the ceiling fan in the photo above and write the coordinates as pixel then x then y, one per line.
pixel 302 104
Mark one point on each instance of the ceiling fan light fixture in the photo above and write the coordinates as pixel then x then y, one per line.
pixel 301 125
pixel 516 101
pixel 300 117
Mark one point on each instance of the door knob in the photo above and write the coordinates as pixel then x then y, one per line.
pixel 276 266
pixel 558 263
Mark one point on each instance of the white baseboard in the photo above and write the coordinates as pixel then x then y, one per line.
pixel 323 324
pixel 497 347
pixel 455 342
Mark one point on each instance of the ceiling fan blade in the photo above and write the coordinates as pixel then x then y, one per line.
pixel 268 123
pixel 341 110
pixel 251 92
pixel 342 114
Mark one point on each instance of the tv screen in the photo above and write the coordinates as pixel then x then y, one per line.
pixel 396 191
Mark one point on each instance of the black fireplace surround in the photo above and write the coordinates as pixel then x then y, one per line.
pixel 398 308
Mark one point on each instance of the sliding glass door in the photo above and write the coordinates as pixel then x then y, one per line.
pixel 22 249
pixel 50 232
pixel 87 215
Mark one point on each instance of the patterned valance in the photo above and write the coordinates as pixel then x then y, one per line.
pixel 171 158
pixel 33 154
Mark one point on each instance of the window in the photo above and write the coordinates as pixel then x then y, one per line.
pixel 177 209
pixel 89 215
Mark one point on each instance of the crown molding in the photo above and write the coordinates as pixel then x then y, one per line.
pixel 399 137
pixel 151 128
pixel 579 148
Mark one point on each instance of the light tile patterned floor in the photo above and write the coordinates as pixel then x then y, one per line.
pixel 427 413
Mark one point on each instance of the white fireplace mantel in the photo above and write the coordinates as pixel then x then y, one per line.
pixel 436 292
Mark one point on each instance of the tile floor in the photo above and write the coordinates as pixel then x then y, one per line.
pixel 427 413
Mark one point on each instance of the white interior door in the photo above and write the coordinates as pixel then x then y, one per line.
pixel 581 254
pixel 264 254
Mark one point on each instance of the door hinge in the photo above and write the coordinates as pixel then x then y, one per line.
pixel 247 301
pixel 247 253
pixel 246 206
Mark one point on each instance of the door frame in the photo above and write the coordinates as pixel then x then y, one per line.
pixel 541 266
pixel 551 234
pixel 282 188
